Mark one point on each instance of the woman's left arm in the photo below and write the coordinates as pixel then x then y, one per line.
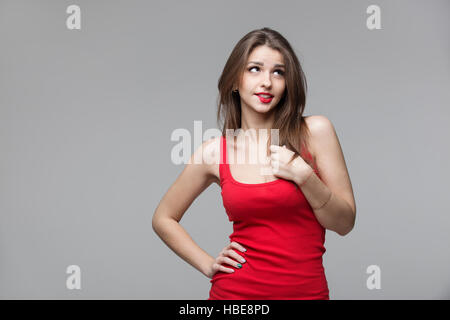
pixel 331 196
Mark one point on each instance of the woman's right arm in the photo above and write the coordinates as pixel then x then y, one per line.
pixel 192 181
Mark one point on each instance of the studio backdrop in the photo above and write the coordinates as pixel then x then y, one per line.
pixel 91 93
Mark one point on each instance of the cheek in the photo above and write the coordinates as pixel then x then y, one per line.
pixel 281 92
pixel 248 83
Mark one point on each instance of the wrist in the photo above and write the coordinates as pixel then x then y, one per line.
pixel 208 268
pixel 303 176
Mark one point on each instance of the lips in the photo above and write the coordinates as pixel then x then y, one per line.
pixel 265 100
pixel 265 95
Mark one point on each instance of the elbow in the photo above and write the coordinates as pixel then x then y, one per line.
pixel 155 222
pixel 345 231
pixel 160 222
pixel 349 227
pixel 154 225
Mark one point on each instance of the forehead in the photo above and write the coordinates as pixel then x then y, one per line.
pixel 266 55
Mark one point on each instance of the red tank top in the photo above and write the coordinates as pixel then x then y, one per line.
pixel 284 241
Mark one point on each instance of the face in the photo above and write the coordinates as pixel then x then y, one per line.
pixel 264 73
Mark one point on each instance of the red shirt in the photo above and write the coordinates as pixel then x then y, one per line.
pixel 284 241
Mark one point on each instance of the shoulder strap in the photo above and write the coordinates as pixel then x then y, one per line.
pixel 223 159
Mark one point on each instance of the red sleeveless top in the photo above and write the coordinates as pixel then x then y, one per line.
pixel 284 241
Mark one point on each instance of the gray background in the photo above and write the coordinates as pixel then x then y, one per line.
pixel 86 117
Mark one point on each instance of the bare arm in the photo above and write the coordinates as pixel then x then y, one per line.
pixel 332 199
pixel 192 181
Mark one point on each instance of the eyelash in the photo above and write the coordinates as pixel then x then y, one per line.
pixel 281 71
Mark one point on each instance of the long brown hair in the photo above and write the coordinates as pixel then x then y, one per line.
pixel 293 131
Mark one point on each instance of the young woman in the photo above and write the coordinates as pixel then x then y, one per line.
pixel 279 218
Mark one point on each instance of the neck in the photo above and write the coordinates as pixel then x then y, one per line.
pixel 256 121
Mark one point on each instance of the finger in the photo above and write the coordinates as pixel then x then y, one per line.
pixel 219 267
pixel 236 256
pixel 275 168
pixel 291 158
pixel 229 261
pixel 236 245
pixel 224 269
pixel 274 148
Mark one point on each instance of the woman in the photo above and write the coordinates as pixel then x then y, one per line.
pixel 279 216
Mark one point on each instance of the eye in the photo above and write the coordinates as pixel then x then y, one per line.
pixel 281 72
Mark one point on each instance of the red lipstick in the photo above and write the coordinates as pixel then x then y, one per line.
pixel 264 100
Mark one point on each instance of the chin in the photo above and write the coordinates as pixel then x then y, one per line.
pixel 263 108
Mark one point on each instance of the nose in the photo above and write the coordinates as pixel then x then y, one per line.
pixel 266 80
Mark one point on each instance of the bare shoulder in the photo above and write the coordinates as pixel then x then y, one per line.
pixel 318 123
pixel 322 136
pixel 319 126
pixel 209 152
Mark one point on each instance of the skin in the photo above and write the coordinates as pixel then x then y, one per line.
pixel 195 177
pixel 257 78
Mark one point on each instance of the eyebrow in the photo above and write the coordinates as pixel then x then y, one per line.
pixel 261 64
